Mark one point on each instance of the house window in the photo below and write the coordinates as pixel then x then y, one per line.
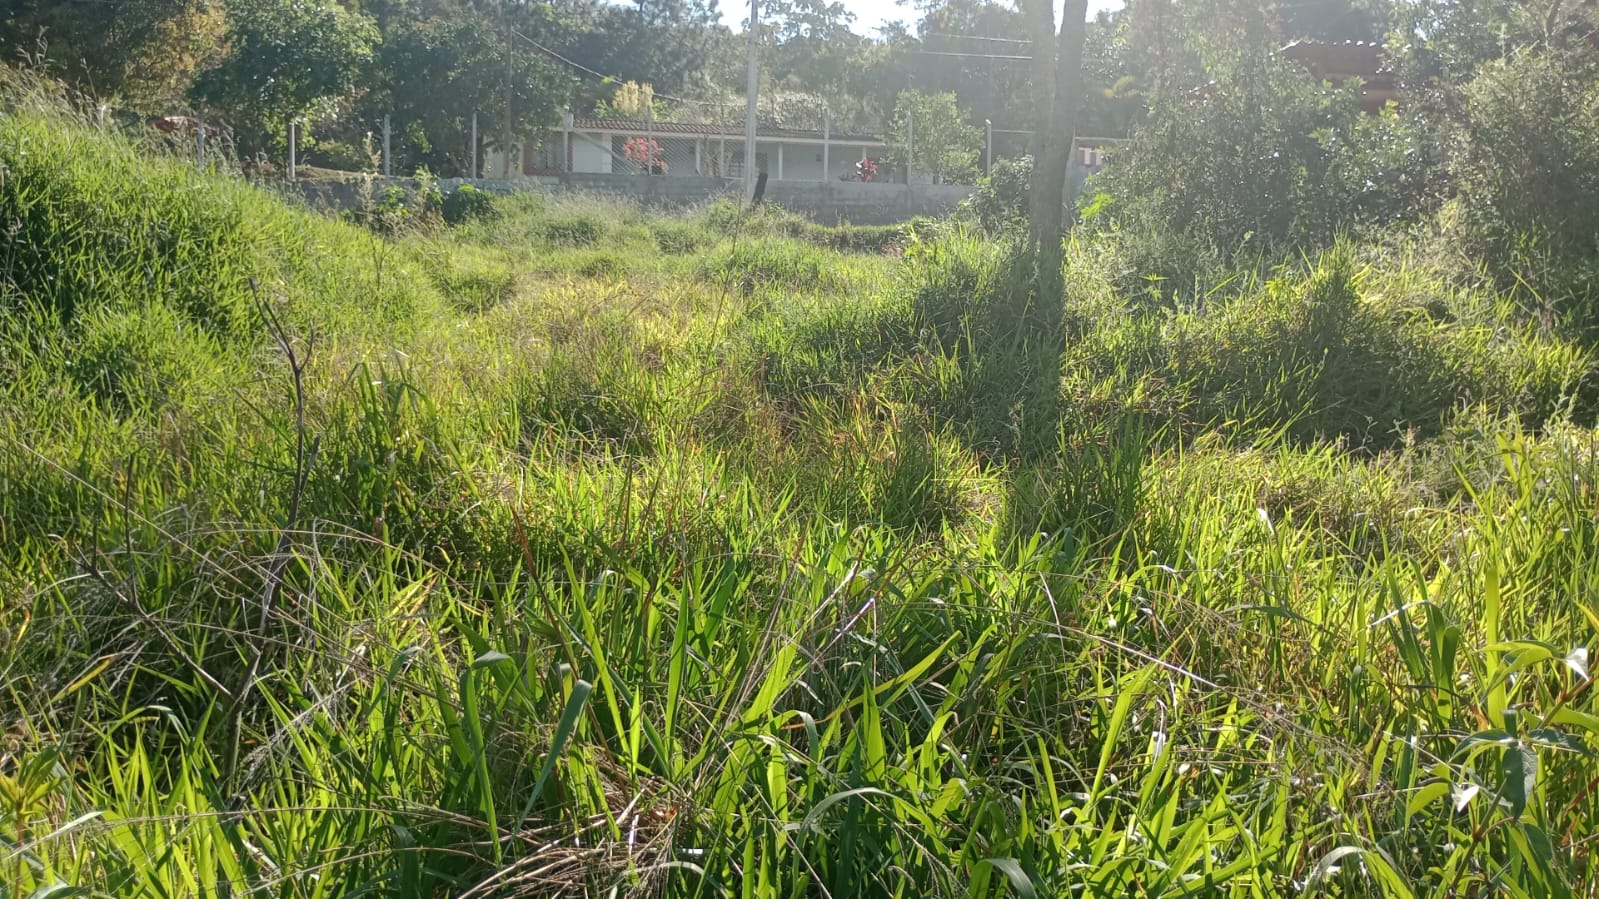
pixel 548 157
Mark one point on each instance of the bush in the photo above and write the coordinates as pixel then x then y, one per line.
pixel 345 157
pixel 1267 162
pixel 1528 179
pixel 397 208
pixel 1001 199
pixel 465 204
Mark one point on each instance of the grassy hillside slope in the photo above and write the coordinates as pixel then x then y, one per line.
pixel 584 551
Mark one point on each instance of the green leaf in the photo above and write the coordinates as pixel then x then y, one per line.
pixel 563 733
pixel 490 659
pixel 1012 869
pixel 1569 716
pixel 1377 864
pixel 1520 768
pixel 1558 739
pixel 1425 796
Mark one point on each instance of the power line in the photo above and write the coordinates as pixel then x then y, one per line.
pixel 610 78
pixel 978 37
pixel 967 55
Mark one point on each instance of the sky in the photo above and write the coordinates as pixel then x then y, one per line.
pixel 869 14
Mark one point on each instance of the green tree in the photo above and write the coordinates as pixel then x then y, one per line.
pixel 284 57
pixel 941 143
pixel 137 52
pixel 663 42
pixel 430 74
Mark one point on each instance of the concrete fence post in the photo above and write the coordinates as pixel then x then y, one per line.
pixel 988 147
pixel 388 155
pixel 566 141
pixel 474 145
pixel 649 138
pixel 827 141
pixel 910 143
pixel 294 139
pixel 199 120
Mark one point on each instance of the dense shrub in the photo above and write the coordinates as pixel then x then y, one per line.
pixel 466 203
pixel 1001 199
pixel 342 156
pixel 1262 162
pixel 1528 179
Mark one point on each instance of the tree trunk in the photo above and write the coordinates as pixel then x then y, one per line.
pixel 1049 171
pixel 1041 22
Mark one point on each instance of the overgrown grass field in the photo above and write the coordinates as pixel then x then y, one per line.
pixel 579 550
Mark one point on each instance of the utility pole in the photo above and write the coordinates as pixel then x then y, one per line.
pixel 749 112
pixel 505 129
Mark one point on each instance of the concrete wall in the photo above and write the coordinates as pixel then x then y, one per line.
pixel 825 201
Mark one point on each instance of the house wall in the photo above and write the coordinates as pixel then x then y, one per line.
pixel 802 162
pixel 591 153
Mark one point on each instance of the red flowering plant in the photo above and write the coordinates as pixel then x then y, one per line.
pixel 646 154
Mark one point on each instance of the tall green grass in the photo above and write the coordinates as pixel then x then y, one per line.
pixel 739 566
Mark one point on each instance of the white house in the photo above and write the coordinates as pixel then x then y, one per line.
pixel 688 149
